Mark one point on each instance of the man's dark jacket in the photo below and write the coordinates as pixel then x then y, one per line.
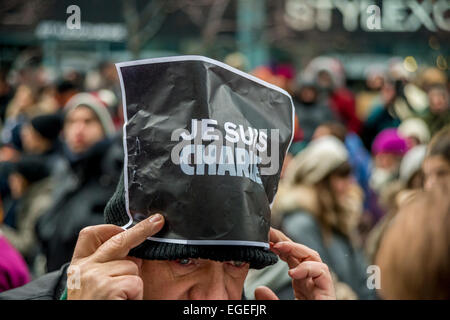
pixel 81 194
pixel 48 287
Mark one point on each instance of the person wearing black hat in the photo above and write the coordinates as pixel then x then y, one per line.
pixel 41 133
pixel 311 110
pixel 31 187
pixel 83 183
pixel 191 212
pixel 101 258
pixel 101 263
pixel 40 136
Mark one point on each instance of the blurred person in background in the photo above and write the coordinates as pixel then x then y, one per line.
pixel 104 77
pixel 394 194
pixel 413 256
pixel 423 166
pixel 382 115
pixel 75 77
pixel 438 113
pixel 31 186
pixel 330 128
pixel 237 60
pixel 361 162
pixel 47 99
pixel 329 75
pixel 296 146
pixel 65 90
pixel 415 131
pixel 110 79
pixel 431 76
pixel 310 110
pixel 436 166
pixel 319 205
pixel 359 158
pixel 113 105
pixel 13 269
pixel 84 187
pixel 411 173
pixel 6 94
pixel 27 103
pixel 40 136
pixel 23 104
pixel 366 99
pixel 281 75
pixel 388 149
pixel 10 152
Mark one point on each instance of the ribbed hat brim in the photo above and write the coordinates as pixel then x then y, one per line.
pixel 257 257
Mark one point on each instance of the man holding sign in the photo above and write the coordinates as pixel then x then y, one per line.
pixel 204 144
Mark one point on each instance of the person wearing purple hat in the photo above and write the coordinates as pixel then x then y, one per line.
pixel 13 269
pixel 388 149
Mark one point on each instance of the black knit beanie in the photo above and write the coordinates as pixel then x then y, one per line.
pixel 32 168
pixel 49 126
pixel 204 144
pixel 257 257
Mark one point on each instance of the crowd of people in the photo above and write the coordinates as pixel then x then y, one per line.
pixel 61 157
pixel 365 181
pixel 360 174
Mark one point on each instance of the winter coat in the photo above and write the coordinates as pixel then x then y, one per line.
pixel 54 158
pixel 81 194
pixel 31 206
pixel 310 116
pixel 13 269
pixel 295 209
pixel 343 103
pixel 380 118
pixel 48 287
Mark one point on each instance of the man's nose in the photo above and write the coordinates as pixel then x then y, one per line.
pixel 429 182
pixel 79 127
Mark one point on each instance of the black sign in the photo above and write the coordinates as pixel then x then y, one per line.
pixel 204 145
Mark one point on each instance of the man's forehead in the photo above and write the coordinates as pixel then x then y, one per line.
pixel 83 112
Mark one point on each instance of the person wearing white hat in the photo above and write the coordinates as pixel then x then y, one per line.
pixel 415 130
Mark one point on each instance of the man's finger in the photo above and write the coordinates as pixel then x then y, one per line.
pixel 123 267
pixel 91 238
pixel 119 245
pixel 296 250
pixel 264 293
pixel 317 271
pixel 277 236
pixel 127 288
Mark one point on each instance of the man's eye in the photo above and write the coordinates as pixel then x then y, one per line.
pixel 442 173
pixel 185 262
pixel 238 264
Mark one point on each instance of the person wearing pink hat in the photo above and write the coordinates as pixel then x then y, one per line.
pixel 388 149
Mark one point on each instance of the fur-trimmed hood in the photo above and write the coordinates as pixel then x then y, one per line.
pixel 291 198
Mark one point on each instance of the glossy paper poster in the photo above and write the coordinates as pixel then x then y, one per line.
pixel 204 145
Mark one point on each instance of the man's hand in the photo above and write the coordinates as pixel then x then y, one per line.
pixel 311 279
pixel 101 256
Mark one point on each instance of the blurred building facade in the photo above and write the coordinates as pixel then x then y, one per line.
pixel 358 32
